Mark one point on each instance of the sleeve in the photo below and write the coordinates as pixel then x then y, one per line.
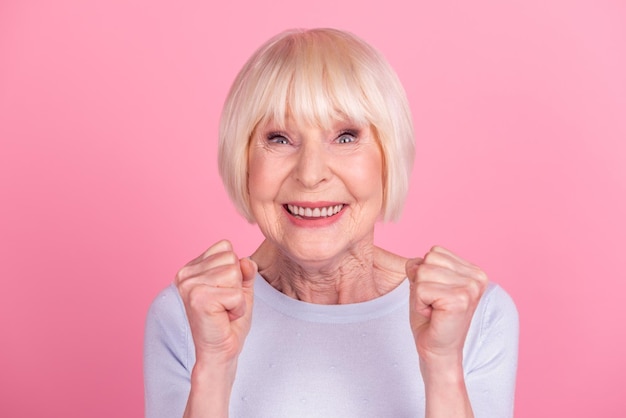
pixel 492 355
pixel 167 357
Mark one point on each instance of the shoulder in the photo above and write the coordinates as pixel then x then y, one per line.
pixel 496 300
pixel 167 306
pixel 490 354
pixel 168 356
pixel 497 314
pixel 166 324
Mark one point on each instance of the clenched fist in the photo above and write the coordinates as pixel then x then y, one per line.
pixel 445 290
pixel 217 291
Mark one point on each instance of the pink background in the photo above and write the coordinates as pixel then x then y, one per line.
pixel 108 120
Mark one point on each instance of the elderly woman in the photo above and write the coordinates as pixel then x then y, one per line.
pixel 315 147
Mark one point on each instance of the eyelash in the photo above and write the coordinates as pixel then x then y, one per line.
pixel 350 133
pixel 273 136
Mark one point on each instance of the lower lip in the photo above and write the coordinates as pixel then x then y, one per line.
pixel 314 222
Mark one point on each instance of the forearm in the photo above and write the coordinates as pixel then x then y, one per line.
pixel 446 393
pixel 209 395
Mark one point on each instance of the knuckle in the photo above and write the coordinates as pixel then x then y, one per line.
pixel 219 259
pixel 219 246
pixel 461 301
pixel 423 272
pixel 474 290
pixel 193 294
pixel 481 276
pixel 464 297
pixel 183 287
pixel 238 297
pixel 231 258
pixel 441 259
pixel 467 297
pixel 436 248
pixel 224 244
pixel 231 273
pixel 431 257
pixel 182 274
pixel 197 297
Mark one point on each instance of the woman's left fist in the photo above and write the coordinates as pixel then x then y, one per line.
pixel 445 290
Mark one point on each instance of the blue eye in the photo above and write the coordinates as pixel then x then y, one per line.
pixel 277 138
pixel 346 137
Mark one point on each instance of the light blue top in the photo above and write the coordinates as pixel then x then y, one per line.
pixel 354 360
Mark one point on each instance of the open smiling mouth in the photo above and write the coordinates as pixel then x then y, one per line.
pixel 314 213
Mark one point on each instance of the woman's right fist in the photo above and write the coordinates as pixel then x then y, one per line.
pixel 217 291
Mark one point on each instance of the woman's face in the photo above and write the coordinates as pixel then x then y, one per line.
pixel 315 193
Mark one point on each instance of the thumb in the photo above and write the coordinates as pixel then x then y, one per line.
pixel 411 267
pixel 248 270
pixel 420 312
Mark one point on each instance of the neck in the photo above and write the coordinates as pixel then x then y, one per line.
pixel 363 273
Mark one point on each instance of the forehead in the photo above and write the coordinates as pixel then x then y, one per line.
pixel 330 123
pixel 318 89
pixel 324 109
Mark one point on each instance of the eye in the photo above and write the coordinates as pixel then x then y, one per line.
pixel 347 137
pixel 277 138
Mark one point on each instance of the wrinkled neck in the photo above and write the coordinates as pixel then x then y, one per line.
pixel 363 273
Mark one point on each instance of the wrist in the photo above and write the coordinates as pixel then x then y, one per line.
pixel 443 368
pixel 444 384
pixel 210 372
pixel 211 385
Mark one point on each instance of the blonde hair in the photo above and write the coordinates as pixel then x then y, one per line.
pixel 318 76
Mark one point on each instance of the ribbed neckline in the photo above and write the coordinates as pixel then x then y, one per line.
pixel 340 314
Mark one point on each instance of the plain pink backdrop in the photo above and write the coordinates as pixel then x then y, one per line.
pixel 108 120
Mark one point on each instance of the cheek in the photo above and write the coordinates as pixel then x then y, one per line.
pixel 264 178
pixel 257 177
pixel 367 175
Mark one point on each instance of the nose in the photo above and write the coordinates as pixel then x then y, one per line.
pixel 312 167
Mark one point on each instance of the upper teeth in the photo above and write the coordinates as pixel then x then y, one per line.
pixel 314 212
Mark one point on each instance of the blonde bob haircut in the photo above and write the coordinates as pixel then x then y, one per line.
pixel 318 76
